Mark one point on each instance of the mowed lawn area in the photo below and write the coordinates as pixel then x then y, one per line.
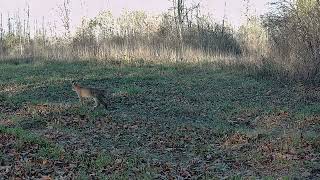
pixel 164 122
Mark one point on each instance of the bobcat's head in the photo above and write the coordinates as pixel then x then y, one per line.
pixel 75 86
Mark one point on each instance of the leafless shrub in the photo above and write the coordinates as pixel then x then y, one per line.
pixel 294 31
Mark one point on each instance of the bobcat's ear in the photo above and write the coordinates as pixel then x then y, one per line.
pixel 74 84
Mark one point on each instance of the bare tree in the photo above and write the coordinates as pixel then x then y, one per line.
pixel 44 32
pixel 1 35
pixel 247 10
pixel 178 13
pixel 10 27
pixel 28 23
pixel 1 29
pixel 224 16
pixel 181 14
pixel 19 31
pixel 64 12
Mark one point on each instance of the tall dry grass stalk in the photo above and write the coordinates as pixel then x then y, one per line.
pixel 128 38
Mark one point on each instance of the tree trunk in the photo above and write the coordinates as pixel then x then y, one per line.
pixel 180 46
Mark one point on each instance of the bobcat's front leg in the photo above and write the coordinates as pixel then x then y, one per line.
pixel 81 100
pixel 96 103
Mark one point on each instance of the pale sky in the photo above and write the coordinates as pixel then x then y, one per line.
pixel 90 8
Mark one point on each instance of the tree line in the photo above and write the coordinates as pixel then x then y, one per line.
pixel 283 43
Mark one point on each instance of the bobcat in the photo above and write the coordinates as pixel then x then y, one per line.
pixel 97 95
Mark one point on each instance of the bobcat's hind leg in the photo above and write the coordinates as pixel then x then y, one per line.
pixel 96 103
pixel 81 100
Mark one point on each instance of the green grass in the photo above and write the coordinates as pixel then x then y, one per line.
pixel 164 118
pixel 24 137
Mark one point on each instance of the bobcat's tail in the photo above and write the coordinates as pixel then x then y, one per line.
pixel 102 101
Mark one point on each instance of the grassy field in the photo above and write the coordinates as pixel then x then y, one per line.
pixel 164 122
